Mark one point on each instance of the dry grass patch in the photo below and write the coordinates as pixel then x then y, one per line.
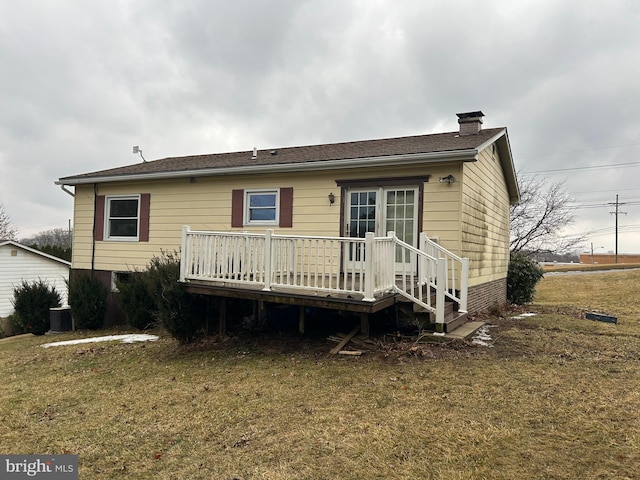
pixel 556 397
pixel 614 293
pixel 586 267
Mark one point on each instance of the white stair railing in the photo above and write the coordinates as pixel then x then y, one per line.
pixel 457 271
pixel 441 271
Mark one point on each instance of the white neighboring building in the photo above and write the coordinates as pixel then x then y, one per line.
pixel 19 262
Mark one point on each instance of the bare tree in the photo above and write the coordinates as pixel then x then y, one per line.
pixel 538 221
pixel 7 231
pixel 57 237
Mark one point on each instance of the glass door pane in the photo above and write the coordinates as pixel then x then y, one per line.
pixel 401 218
pixel 362 214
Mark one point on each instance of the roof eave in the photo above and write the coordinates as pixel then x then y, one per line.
pixel 389 160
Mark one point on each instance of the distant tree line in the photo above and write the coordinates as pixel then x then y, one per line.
pixel 56 242
pixel 555 257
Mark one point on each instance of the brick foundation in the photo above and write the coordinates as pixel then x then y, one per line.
pixel 485 295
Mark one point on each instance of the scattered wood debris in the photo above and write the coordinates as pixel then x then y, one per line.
pixel 355 353
pixel 344 341
pixel 361 343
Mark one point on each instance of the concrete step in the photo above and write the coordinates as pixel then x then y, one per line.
pixel 465 331
pixel 454 321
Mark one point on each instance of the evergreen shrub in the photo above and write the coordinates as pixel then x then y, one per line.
pixel 522 278
pixel 137 295
pixel 88 300
pixel 32 302
pixel 181 313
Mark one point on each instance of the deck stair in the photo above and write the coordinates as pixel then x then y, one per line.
pixel 453 318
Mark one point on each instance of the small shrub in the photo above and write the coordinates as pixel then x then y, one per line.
pixel 137 296
pixel 88 300
pixel 496 309
pixel 522 278
pixel 32 302
pixel 181 314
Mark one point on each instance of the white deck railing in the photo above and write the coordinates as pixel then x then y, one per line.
pixel 363 267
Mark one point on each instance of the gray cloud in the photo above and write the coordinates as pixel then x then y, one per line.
pixel 83 82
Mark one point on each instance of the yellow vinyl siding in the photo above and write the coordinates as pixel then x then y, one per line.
pixel 442 208
pixel 203 205
pixel 206 205
pixel 485 218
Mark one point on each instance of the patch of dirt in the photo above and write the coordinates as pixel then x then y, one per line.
pixel 386 346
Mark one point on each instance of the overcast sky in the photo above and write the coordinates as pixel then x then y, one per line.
pixel 81 82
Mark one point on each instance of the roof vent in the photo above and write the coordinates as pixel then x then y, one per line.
pixel 255 153
pixel 470 122
pixel 273 152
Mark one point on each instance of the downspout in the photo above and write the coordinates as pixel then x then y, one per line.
pixel 93 239
pixel 67 191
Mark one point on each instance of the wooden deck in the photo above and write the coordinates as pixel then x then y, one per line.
pixel 295 296
pixel 363 275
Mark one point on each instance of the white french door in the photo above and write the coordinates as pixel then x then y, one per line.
pixel 381 210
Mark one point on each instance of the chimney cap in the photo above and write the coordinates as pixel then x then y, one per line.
pixel 466 115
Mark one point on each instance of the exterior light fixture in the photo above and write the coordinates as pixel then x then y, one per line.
pixel 449 179
pixel 332 198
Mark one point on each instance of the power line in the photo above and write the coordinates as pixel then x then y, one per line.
pixel 608 230
pixel 636 189
pixel 599 204
pixel 591 167
pixel 583 151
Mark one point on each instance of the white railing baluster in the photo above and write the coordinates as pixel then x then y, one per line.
pixel 185 262
pixel 368 267
pixel 267 260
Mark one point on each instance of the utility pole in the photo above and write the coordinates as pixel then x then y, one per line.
pixel 616 213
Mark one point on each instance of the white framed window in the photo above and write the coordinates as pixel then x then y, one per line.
pixel 262 207
pixel 122 217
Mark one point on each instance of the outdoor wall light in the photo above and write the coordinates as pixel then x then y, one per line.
pixel 449 179
pixel 332 198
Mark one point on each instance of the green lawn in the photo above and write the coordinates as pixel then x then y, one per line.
pixel 556 397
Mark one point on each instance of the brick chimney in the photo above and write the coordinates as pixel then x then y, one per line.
pixel 470 122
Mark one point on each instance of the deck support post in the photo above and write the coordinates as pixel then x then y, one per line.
pixel 209 315
pixel 259 312
pixel 268 264
pixel 222 321
pixel 364 324
pixel 369 239
pixel 301 319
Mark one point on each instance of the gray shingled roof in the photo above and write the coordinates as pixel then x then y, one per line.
pixel 434 143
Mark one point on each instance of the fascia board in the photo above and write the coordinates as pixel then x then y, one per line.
pixel 458 155
pixel 493 139
pixel 506 159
